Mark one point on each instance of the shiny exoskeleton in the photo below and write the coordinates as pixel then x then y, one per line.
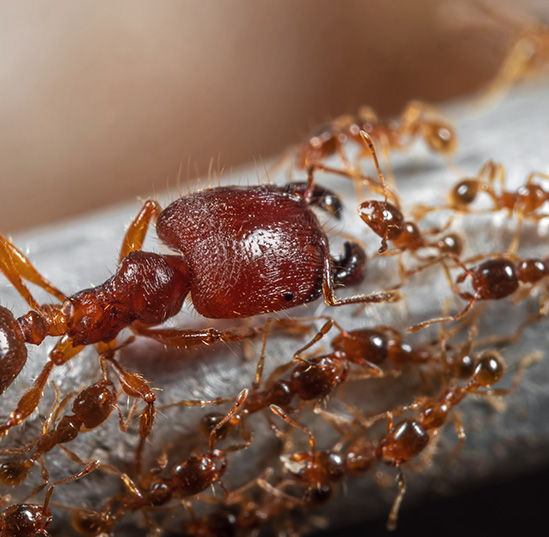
pixel 241 251
pixel 417 120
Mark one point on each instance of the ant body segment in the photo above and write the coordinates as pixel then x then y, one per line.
pixel 227 239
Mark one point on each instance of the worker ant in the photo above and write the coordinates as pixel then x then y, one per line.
pixel 387 221
pixel 227 238
pixel 29 519
pixel 417 120
pixel 493 279
pixel 91 408
pixel 524 202
pixel 187 479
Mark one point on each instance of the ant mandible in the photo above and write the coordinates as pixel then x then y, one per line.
pixel 241 251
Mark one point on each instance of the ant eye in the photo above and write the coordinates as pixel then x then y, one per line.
pixel 288 297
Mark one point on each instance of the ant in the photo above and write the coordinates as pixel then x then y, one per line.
pixel 318 470
pixel 241 252
pixel 387 221
pixel 91 408
pixel 187 479
pixel 527 56
pixel 416 120
pixel 494 279
pixel 30 520
pixel 316 378
pixel 405 440
pixel 525 202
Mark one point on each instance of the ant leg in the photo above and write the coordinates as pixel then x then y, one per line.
pixel 135 235
pixel 189 338
pixel 514 67
pixel 393 516
pixel 534 175
pixel 329 292
pixel 16 267
pixel 374 185
pixel 261 361
pixel 90 467
pixel 460 430
pixel 318 336
pixel 29 400
pixel 281 414
pixel 425 324
pixel 135 386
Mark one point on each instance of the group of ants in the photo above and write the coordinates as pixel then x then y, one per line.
pixel 296 267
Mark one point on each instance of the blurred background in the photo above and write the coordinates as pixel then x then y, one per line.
pixel 106 101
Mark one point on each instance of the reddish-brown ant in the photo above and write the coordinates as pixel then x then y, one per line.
pixel 417 120
pixel 187 479
pixel 30 520
pixel 493 279
pixel 246 251
pixel 91 408
pixel 525 202
pixel 387 221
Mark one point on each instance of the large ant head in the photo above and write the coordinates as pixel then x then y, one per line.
pixel 440 137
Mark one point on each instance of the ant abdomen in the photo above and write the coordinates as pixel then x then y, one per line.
pixel 13 353
pixel 362 344
pixel 403 442
pixel 495 278
pixel 490 368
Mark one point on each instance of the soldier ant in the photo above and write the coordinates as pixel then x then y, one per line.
pixel 230 238
pixel 417 120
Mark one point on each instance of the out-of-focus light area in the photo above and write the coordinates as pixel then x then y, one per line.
pixel 105 101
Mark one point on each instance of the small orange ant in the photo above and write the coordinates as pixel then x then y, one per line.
pixel 417 119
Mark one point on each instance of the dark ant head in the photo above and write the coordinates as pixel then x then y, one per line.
pixel 318 377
